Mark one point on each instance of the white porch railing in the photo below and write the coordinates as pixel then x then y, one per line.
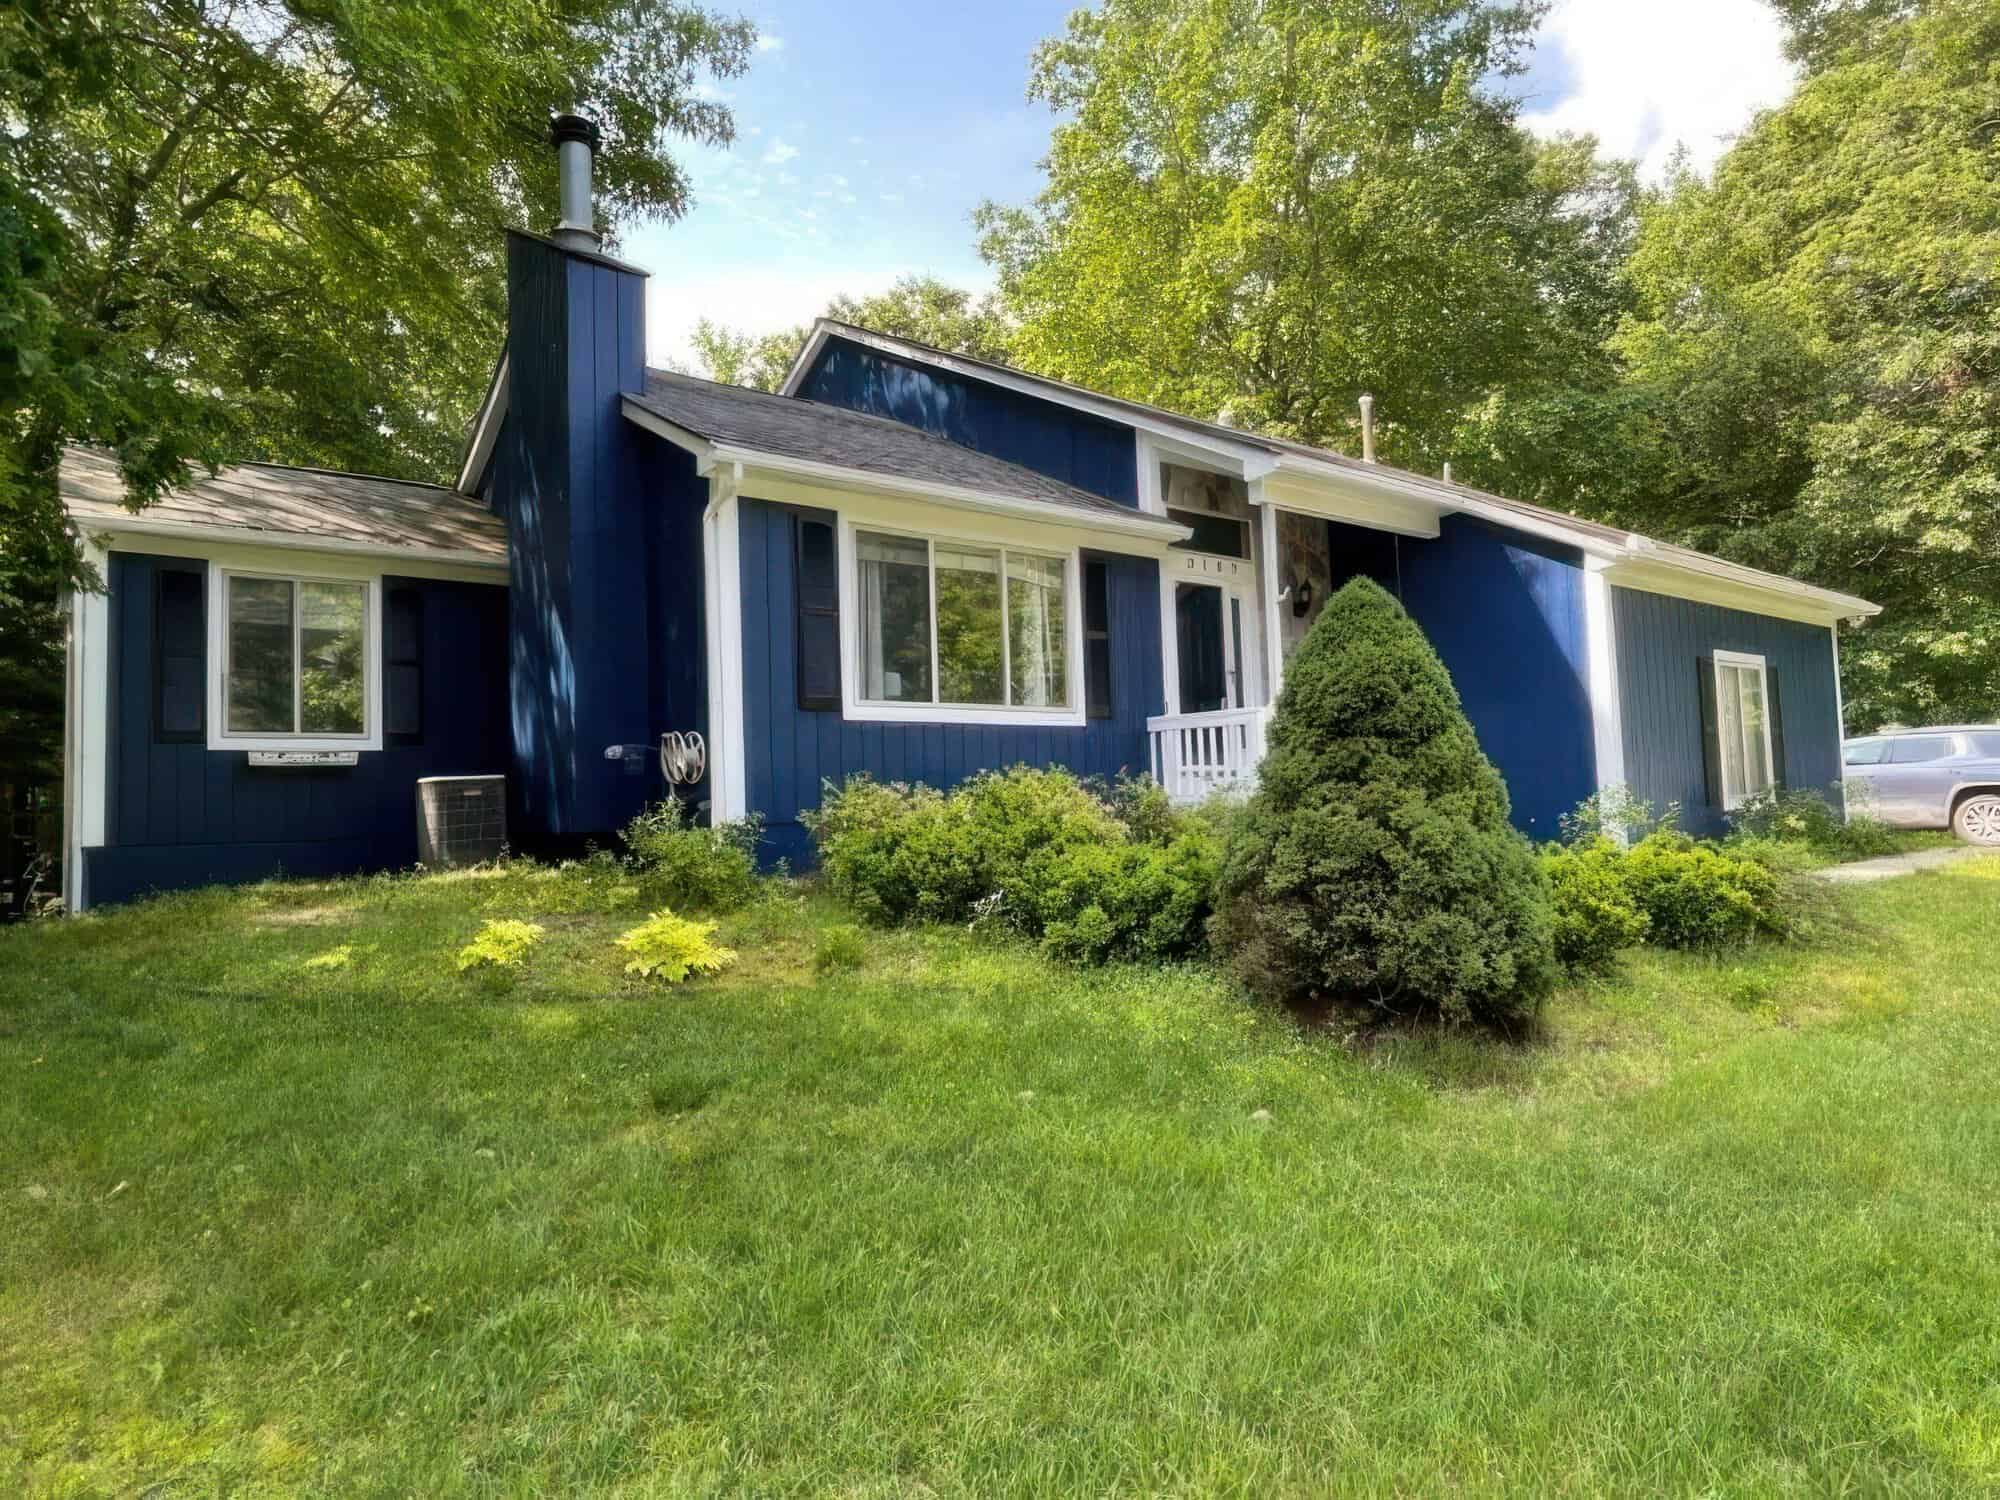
pixel 1196 754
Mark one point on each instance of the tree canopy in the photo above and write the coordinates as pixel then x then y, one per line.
pixel 271 228
pixel 923 308
pixel 1810 378
pixel 1266 208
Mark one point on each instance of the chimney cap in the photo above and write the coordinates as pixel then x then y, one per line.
pixel 575 128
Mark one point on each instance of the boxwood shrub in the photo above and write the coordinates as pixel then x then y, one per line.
pixel 1375 864
pixel 1092 873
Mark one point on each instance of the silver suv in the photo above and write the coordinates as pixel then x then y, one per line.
pixel 1948 777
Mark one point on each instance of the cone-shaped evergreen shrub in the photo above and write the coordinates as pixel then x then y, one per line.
pixel 1375 863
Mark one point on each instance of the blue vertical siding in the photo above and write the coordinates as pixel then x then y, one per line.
pixel 575 482
pixel 1505 612
pixel 1660 643
pixel 1051 439
pixel 180 815
pixel 791 751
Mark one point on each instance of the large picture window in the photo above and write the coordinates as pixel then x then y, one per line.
pixel 961 625
pixel 1743 723
pixel 296 662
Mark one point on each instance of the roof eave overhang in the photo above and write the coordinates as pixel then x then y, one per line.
pixel 1632 565
pixel 1722 586
pixel 748 462
pixel 250 536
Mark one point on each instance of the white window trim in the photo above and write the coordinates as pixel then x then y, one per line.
pixel 219 737
pixel 1733 798
pixel 857 709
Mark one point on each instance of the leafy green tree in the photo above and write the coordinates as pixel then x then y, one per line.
pixel 271 228
pixel 917 307
pixel 1822 33
pixel 1375 864
pixel 1267 207
pixel 1811 378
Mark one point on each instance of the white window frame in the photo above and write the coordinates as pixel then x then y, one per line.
pixel 219 735
pixel 1743 661
pixel 865 710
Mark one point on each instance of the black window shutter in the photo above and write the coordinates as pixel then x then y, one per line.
pixel 180 642
pixel 1096 639
pixel 403 664
pixel 1777 714
pixel 816 571
pixel 1711 732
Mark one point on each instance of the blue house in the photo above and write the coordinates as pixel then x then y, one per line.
pixel 908 563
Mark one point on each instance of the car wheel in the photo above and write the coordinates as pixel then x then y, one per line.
pixel 1977 819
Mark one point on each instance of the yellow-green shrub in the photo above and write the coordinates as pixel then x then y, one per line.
pixel 1594 915
pixel 502 944
pixel 670 948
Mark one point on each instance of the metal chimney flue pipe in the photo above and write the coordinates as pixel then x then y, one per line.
pixel 1368 429
pixel 576 140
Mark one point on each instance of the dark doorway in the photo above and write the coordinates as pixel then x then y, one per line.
pixel 1204 663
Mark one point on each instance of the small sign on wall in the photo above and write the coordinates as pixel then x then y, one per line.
pixel 305 757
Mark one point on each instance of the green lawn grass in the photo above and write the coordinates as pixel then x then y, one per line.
pixel 287 1205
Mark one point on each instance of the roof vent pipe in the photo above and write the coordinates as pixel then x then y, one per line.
pixel 1447 471
pixel 1368 429
pixel 576 143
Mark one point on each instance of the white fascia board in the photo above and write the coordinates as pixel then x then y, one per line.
pixel 1249 459
pixel 1392 484
pixel 802 361
pixel 689 442
pixel 1800 602
pixel 485 431
pixel 1636 564
pixel 1335 497
pixel 205 540
pixel 766 467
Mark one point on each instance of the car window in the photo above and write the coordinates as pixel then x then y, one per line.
pixel 1867 752
pixel 1916 749
pixel 1985 744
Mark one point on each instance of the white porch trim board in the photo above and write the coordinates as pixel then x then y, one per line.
pixel 1607 713
pixel 86 766
pixel 1267 567
pixel 728 761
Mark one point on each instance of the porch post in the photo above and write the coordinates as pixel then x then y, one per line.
pixel 1170 641
pixel 1267 571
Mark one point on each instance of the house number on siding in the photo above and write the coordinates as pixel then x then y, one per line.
pixel 1212 567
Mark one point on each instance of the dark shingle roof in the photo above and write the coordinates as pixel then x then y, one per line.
pixel 269 499
pixel 794 428
pixel 1452 496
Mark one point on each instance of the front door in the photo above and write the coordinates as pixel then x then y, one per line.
pixel 1207 648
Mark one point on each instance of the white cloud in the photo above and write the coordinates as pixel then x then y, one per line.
pixel 1644 78
pixel 769 43
pixel 780 152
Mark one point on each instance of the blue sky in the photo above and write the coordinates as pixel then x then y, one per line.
pixel 869 130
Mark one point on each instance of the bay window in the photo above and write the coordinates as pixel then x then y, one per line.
pixel 961 624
